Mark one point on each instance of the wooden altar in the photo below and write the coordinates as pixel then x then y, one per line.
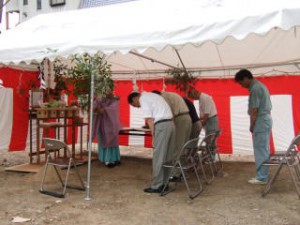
pixel 53 118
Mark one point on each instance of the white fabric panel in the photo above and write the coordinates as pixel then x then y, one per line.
pixel 283 125
pixel 33 136
pixel 6 117
pixel 137 121
pixel 241 136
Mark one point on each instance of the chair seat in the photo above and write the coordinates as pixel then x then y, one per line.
pixel 62 161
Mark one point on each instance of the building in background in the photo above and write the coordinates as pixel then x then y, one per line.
pixel 18 11
pixel 30 8
pixel 96 3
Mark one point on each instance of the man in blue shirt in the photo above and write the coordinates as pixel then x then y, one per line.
pixel 259 110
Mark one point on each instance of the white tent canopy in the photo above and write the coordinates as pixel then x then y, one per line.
pixel 211 37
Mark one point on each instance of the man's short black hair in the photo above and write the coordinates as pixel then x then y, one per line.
pixel 131 96
pixel 239 76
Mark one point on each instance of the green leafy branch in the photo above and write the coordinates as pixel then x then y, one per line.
pixel 181 79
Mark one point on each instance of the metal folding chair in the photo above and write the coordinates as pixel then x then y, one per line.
pixel 52 148
pixel 289 158
pixel 185 162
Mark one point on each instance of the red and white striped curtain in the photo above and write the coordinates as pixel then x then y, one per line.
pixel 230 98
pixel 231 101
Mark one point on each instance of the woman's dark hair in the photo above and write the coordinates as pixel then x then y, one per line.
pixel 239 76
pixel 131 96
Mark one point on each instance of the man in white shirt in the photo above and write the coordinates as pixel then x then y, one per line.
pixel 159 118
pixel 208 111
pixel 182 120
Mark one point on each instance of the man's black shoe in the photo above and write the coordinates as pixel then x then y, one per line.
pixel 152 190
pixel 158 190
pixel 174 179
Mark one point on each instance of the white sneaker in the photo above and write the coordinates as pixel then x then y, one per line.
pixel 255 181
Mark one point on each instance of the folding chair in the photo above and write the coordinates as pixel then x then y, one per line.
pixel 289 158
pixel 204 157
pixel 52 148
pixel 185 162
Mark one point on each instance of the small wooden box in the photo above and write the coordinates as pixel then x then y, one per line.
pixel 47 113
pixel 74 112
pixel 56 113
pixel 42 113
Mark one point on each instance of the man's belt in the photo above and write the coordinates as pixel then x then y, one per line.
pixel 181 114
pixel 213 116
pixel 263 114
pixel 161 121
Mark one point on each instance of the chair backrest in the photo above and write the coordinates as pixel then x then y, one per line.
pixel 207 141
pixel 293 147
pixel 218 133
pixel 296 140
pixel 189 149
pixel 52 145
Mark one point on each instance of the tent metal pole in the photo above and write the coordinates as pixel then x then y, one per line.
pixel 184 68
pixel 88 197
pixel 151 59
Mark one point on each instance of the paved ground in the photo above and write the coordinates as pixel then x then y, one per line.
pixel 118 197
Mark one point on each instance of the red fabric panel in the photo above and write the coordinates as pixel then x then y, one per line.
pixel 296 112
pixel 123 89
pixel 20 81
pixel 287 85
pixel 71 97
pixel 220 90
pixel 272 146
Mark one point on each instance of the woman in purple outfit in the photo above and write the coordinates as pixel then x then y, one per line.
pixel 107 125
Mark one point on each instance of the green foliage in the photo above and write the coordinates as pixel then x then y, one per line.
pixel 79 75
pixel 85 66
pixel 53 104
pixel 181 79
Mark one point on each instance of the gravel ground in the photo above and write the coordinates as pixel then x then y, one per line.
pixel 117 197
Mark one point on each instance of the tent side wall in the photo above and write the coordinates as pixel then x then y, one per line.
pixel 17 83
pixel 230 98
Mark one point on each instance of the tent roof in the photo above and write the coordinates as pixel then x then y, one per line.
pixel 207 35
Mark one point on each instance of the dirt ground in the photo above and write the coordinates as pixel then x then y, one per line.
pixel 117 197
